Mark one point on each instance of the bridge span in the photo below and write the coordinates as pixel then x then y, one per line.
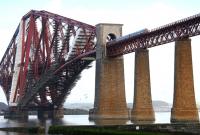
pixel 48 52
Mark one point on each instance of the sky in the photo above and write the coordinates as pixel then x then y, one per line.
pixel 134 15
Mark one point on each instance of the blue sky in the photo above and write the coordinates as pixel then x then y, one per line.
pixel 135 15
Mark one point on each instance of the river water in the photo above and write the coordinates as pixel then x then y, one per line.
pixel 161 117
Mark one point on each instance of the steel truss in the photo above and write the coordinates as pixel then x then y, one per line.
pixel 184 28
pixel 50 60
pixel 46 55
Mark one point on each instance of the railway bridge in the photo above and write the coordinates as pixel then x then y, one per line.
pixel 47 53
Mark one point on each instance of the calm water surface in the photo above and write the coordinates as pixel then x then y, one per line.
pixel 161 117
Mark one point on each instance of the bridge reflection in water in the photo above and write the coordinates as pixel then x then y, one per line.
pixel 163 117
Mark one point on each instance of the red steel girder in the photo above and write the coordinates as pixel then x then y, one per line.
pixel 46 14
pixel 7 65
pixel 45 41
pixel 187 27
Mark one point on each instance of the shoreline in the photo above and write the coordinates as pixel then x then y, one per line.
pixel 143 129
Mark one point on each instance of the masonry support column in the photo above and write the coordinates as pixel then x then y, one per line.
pixel 110 101
pixel 184 106
pixel 142 108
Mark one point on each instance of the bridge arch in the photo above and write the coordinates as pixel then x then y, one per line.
pixel 110 37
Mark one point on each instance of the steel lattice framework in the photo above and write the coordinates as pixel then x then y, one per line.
pixel 184 28
pixel 44 59
pixel 48 52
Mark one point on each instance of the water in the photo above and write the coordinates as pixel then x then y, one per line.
pixel 161 117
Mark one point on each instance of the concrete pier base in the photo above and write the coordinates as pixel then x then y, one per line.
pixel 142 108
pixel 15 113
pixel 184 108
pixel 110 101
pixel 51 114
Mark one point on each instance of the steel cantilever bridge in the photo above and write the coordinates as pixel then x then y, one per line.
pixel 43 59
pixel 47 53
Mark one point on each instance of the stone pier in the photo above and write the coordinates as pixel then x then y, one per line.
pixel 142 108
pixel 110 101
pixel 52 114
pixel 184 106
